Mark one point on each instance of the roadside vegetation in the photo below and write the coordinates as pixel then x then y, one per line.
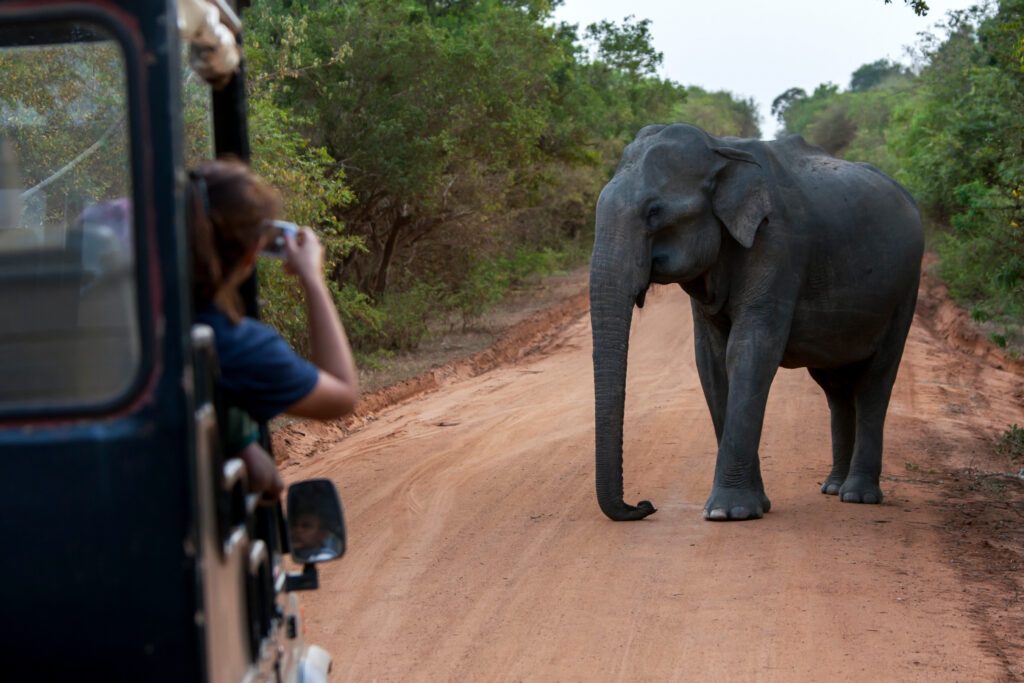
pixel 447 150
pixel 1011 443
pixel 950 128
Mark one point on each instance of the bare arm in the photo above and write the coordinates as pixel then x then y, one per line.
pixel 263 475
pixel 337 389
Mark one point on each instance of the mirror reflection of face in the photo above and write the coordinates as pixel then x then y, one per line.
pixel 316 526
pixel 307 531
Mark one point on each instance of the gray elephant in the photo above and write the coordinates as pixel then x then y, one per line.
pixel 791 258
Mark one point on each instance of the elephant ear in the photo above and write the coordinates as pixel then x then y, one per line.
pixel 741 199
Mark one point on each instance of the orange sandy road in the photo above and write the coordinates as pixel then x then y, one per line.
pixel 477 550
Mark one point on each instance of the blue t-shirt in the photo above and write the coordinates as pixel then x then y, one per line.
pixel 259 372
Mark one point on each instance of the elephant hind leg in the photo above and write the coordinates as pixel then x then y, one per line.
pixel 872 392
pixel 838 385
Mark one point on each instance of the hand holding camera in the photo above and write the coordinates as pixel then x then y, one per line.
pixel 299 249
pixel 280 234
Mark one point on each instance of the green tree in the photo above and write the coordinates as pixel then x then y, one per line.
pixel 801 112
pixel 920 7
pixel 782 103
pixel 610 85
pixel 876 73
pixel 719 113
pixel 626 47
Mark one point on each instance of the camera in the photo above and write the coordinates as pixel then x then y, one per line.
pixel 279 236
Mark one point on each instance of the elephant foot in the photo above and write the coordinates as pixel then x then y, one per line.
pixel 832 484
pixel 860 489
pixel 735 504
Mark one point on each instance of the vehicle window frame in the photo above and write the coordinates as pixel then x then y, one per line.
pixel 47 21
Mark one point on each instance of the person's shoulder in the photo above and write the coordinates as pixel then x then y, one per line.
pixel 250 328
pixel 238 341
pixel 225 328
pixel 251 338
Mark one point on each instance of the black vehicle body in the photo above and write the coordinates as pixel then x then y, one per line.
pixel 131 548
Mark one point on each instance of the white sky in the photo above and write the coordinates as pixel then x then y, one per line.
pixel 760 49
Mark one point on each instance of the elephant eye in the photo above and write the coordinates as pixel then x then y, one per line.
pixel 652 214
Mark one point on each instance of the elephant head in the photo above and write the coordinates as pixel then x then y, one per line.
pixel 676 197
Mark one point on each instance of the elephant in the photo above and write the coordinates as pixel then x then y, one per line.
pixel 791 258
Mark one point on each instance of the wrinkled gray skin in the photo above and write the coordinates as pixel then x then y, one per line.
pixel 791 258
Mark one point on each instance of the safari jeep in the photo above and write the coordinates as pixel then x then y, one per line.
pixel 132 549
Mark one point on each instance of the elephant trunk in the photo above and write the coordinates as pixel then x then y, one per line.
pixel 611 311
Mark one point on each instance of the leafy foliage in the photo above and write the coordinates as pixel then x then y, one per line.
pixel 1011 443
pixel 920 7
pixel 782 103
pixel 434 115
pixel 875 74
pixel 625 48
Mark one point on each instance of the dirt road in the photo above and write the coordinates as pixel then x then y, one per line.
pixel 477 550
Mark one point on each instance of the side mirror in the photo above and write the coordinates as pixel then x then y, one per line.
pixel 316 526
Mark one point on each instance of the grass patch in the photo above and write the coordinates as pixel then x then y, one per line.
pixel 1011 443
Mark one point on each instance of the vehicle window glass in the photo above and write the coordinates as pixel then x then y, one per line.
pixel 69 329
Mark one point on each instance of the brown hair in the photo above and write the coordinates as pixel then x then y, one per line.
pixel 228 210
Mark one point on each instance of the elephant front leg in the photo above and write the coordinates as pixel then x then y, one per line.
pixel 738 490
